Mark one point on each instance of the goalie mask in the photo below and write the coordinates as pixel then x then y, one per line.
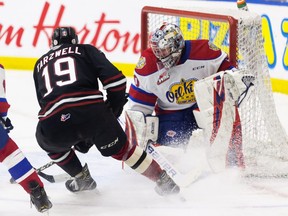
pixel 167 44
pixel 63 35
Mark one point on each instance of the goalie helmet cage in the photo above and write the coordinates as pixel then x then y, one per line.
pixel 239 34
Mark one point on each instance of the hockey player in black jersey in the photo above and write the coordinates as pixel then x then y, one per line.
pixel 73 111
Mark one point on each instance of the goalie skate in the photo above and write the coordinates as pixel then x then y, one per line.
pixel 166 185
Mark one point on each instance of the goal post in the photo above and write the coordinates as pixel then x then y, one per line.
pixel 239 34
pixel 147 26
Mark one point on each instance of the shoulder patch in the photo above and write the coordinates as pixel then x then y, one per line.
pixel 141 63
pixel 213 46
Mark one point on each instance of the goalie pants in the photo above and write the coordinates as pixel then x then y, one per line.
pixel 175 129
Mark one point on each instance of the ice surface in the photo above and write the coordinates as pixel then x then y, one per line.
pixel 122 192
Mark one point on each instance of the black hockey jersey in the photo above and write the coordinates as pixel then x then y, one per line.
pixel 68 75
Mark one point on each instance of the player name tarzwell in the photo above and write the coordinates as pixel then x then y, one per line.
pixel 61 52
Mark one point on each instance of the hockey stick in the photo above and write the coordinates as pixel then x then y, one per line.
pixel 45 166
pixel 183 180
pixel 146 129
pixel 54 178
pixel 49 178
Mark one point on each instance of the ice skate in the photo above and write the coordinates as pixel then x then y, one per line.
pixel 166 185
pixel 39 197
pixel 83 181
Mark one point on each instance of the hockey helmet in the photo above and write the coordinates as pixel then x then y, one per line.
pixel 63 35
pixel 167 43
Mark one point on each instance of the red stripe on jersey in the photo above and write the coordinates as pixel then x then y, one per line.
pixel 4 106
pixel 142 96
pixel 113 79
pixel 119 88
pixel 226 65
pixel 69 95
pixel 8 149
pixel 64 106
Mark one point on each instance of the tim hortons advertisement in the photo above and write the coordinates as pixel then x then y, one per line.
pixel 26 28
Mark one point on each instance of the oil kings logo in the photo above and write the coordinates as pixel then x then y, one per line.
pixel 141 63
pixel 182 92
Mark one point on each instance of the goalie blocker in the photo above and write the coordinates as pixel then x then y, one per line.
pixel 219 97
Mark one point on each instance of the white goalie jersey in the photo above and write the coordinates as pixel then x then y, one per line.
pixel 155 88
pixel 165 91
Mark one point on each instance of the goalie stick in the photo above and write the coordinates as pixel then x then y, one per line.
pixel 146 128
pixel 183 180
pixel 49 178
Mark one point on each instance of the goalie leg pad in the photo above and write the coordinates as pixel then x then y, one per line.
pixel 146 128
pixel 217 115
pixel 216 111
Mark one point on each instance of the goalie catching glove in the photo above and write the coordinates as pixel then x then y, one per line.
pixel 224 90
pixel 239 85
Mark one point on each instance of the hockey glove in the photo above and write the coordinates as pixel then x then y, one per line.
pixel 240 85
pixel 6 124
pixel 117 105
pixel 83 146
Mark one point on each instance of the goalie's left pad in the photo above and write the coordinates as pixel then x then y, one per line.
pixel 233 87
pixel 218 116
pixel 145 127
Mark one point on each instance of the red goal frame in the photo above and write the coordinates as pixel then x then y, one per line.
pixel 191 14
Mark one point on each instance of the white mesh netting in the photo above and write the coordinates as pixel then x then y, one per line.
pixel 238 33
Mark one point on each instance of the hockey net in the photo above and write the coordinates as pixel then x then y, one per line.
pixel 239 34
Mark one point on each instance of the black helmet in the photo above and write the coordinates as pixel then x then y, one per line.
pixel 63 35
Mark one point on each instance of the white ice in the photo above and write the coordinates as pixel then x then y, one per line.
pixel 122 191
